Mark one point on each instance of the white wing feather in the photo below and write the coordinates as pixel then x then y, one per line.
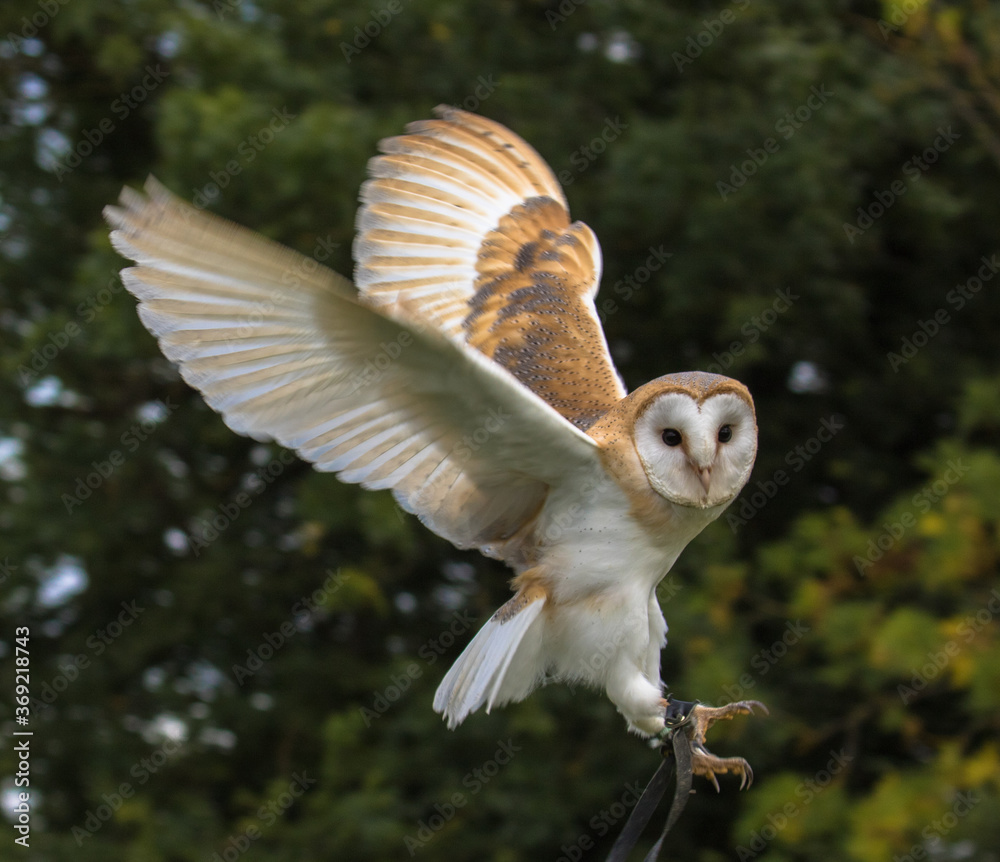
pixel 480 674
pixel 285 349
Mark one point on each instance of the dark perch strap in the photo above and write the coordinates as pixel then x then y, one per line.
pixel 678 714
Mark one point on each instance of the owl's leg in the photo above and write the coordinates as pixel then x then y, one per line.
pixel 703 762
pixel 636 697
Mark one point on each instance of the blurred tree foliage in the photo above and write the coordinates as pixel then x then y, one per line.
pixel 214 678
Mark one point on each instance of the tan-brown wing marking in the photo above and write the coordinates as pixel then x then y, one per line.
pixel 533 312
pixel 464 227
pixel 432 198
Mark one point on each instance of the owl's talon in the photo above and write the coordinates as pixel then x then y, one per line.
pixel 710 776
pixel 703 762
pixel 706 764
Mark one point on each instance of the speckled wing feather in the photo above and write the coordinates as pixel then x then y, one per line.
pixel 286 350
pixel 464 226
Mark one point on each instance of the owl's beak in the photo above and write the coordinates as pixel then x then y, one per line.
pixel 705 477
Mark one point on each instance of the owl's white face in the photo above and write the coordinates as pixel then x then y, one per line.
pixel 697 454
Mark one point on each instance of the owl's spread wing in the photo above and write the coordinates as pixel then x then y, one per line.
pixel 284 349
pixel 465 227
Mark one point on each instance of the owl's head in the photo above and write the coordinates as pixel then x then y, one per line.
pixel 696 435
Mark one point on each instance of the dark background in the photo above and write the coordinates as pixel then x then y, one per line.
pixel 854 590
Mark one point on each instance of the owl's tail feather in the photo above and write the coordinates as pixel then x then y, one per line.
pixel 500 665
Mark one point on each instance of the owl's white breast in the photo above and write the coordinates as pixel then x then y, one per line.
pixel 591 543
pixel 600 567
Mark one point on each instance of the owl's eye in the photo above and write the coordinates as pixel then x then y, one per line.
pixel 725 433
pixel 672 437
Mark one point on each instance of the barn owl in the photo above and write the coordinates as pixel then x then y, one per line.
pixel 467 371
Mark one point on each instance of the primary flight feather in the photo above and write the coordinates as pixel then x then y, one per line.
pixel 466 370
